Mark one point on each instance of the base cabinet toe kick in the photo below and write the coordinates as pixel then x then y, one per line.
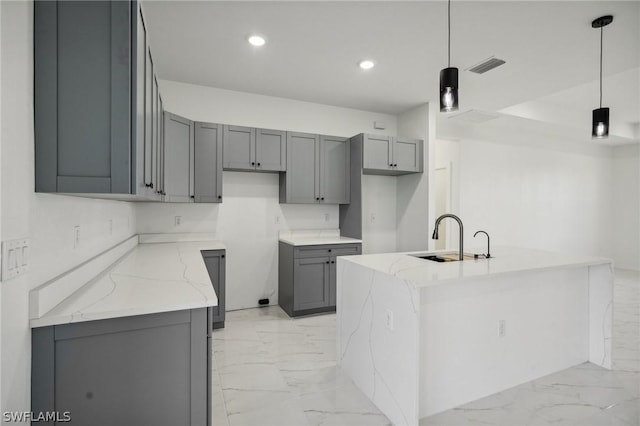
pixel 140 370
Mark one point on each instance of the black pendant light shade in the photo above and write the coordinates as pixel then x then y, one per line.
pixel 600 116
pixel 449 89
pixel 449 75
pixel 600 123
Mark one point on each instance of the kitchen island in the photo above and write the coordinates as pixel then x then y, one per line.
pixel 419 337
pixel 133 344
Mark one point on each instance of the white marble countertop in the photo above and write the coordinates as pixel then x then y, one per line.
pixel 151 278
pixel 505 260
pixel 313 237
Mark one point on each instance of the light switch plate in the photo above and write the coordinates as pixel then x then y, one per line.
pixel 15 258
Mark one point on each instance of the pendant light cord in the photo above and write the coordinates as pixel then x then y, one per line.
pixel 601 32
pixel 449 35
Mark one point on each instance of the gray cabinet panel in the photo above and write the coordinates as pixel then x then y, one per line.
pixel 239 148
pixel 148 123
pixel 377 152
pixel 332 281
pixel 311 278
pixel 216 264
pixel 208 163
pixel 140 59
pixel 303 169
pixel 142 370
pixel 407 155
pixel 271 150
pixel 179 140
pixel 334 166
pixel 155 136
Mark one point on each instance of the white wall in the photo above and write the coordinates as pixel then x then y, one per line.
pixel 47 220
pixel 412 208
pixel 246 220
pixel 623 223
pixel 538 198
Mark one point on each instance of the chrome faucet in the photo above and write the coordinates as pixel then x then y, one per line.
pixel 453 216
pixel 488 255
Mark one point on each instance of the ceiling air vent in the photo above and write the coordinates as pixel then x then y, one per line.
pixel 486 65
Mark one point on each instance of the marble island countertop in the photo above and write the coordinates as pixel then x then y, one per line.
pixel 151 278
pixel 505 260
pixel 315 237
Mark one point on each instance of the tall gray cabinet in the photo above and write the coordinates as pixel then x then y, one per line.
pixel 96 99
pixel 317 170
pixel 192 154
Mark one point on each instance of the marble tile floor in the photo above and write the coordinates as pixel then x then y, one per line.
pixel 270 369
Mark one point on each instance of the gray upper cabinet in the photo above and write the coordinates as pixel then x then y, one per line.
pixel 334 170
pixel 208 163
pixel 317 170
pixel 250 149
pixel 178 154
pixel 239 148
pixel 387 155
pixel 92 85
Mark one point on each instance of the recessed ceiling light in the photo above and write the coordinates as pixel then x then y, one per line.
pixel 256 40
pixel 366 64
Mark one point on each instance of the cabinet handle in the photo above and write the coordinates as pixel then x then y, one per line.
pixel 192 196
pixel 258 164
pixel 151 185
pixel 329 250
pixel 322 199
pixel 253 163
pixel 222 256
pixel 391 165
pixel 219 197
pixel 317 198
pixel 327 262
pixel 333 261
pixel 395 165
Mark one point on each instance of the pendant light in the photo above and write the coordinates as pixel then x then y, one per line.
pixel 600 117
pixel 449 75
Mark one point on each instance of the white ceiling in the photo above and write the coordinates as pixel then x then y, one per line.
pixel 313 49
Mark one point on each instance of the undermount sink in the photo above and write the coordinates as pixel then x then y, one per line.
pixel 444 257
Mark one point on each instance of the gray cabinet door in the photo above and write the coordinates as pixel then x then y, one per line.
pixel 334 170
pixel 311 283
pixel 407 155
pixel 148 113
pixel 161 170
pixel 377 152
pixel 239 148
pixel 302 180
pixel 179 140
pixel 83 96
pixel 139 66
pixel 332 281
pixel 271 150
pixel 156 136
pixel 146 370
pixel 208 163
pixel 215 263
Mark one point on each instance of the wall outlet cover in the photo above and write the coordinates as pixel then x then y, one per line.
pixel 15 258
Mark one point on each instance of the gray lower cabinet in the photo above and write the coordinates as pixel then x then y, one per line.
pixel 216 265
pixel 317 170
pixel 192 157
pixel 93 99
pixel 307 276
pixel 250 149
pixel 141 370
pixel 388 155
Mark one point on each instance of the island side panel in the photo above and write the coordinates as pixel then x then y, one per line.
pixel 464 357
pixel 600 314
pixel 381 359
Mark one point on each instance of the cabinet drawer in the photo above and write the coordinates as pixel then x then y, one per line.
pixel 327 250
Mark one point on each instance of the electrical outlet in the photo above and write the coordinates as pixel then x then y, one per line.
pixel 502 328
pixel 15 258
pixel 373 218
pixel 277 220
pixel 327 216
pixel 177 221
pixel 76 237
pixel 389 319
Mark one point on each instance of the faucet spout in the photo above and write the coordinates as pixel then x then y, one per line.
pixel 488 242
pixel 452 216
